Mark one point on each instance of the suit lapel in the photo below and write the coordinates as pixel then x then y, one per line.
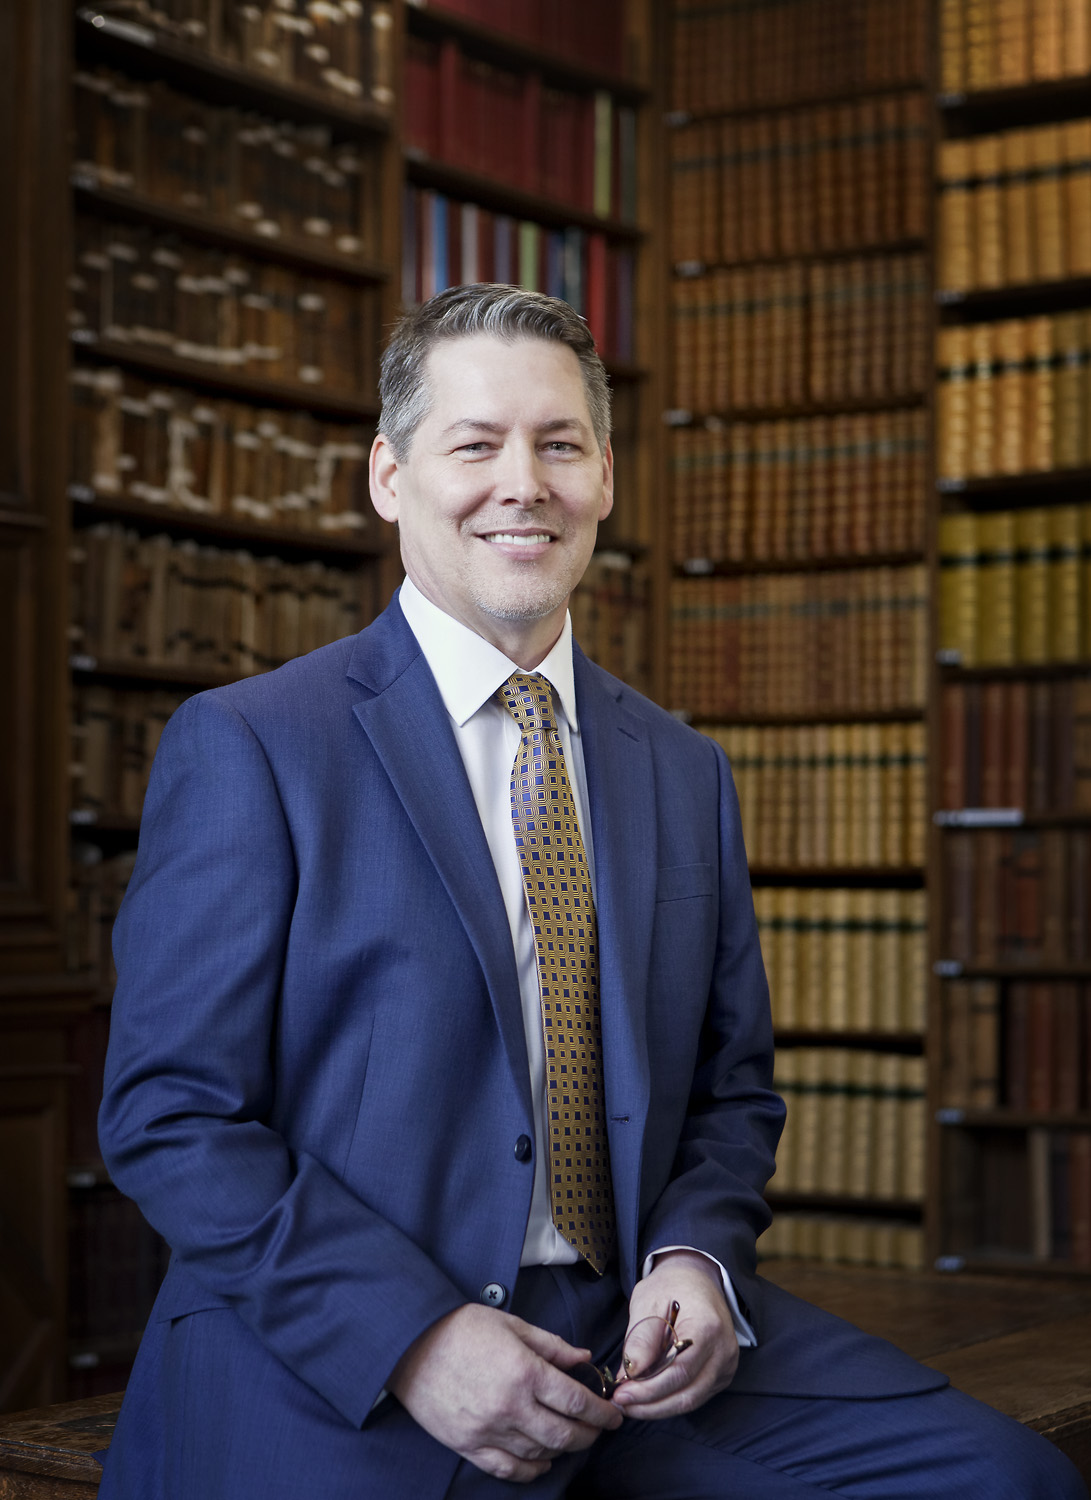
pixel 621 791
pixel 409 729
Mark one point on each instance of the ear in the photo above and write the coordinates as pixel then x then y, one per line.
pixel 383 478
pixel 607 482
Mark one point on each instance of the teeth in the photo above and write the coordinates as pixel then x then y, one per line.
pixel 520 538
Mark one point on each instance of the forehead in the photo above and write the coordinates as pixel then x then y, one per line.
pixel 482 375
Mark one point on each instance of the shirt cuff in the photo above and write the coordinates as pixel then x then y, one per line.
pixel 746 1336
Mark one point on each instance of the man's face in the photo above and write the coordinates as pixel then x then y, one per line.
pixel 499 499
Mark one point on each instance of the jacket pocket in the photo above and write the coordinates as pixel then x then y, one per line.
pixel 680 882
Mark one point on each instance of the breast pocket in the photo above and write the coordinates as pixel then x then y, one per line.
pixel 682 882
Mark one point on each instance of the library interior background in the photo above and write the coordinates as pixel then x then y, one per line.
pixel 836 255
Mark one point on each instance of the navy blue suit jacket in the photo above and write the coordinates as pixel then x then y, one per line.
pixel 317 1069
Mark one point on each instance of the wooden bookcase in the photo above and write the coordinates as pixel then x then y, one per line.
pixel 799 440
pixel 1011 1013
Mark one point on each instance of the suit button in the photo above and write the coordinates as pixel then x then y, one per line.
pixel 523 1148
pixel 493 1294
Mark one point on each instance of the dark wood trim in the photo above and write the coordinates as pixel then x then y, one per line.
pixel 1036 102
pixel 902 877
pixel 911 1043
pixel 871 1207
pixel 174 521
pixel 305 255
pixel 1012 1119
pixel 437 23
pixel 677 117
pixel 847 406
pixel 141 674
pixel 20 519
pixel 143 52
pixel 1031 972
pixel 474 187
pixel 1048 486
pixel 687 269
pixel 700 567
pixel 1015 671
pixel 907 715
pixel 317 399
pixel 978 304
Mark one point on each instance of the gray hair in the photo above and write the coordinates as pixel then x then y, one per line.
pixel 504 312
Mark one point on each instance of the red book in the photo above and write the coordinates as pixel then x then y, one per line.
pixel 597 290
pixel 988 931
pixel 1016 1028
pixel 1038 798
pixel 993 747
pixel 953 783
pixel 1062 781
pixel 1079 1202
pixel 1077 872
pixel 1016 733
pixel 1040 1048
pixel 449 144
pixel 529 136
pixel 1068 1048
pixel 971 789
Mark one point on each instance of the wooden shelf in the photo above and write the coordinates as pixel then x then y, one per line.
pixel 900 876
pixel 456 182
pixel 1011 1119
pixel 89 509
pixel 286 393
pixel 1020 298
pixel 511 51
pixel 981 823
pixel 825 716
pixel 911 1043
pixel 152 674
pixel 1042 671
pixel 954 969
pixel 848 406
pixel 1049 486
pixel 1008 1261
pixel 685 269
pixel 842 1203
pixel 89 820
pixel 305 255
pixel 700 567
pixel 1038 102
pixel 678 117
pixel 143 52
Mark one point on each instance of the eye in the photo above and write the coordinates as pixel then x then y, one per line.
pixel 560 445
pixel 478 446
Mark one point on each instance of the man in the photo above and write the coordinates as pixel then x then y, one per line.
pixel 441 1047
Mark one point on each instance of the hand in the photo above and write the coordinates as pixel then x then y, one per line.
pixel 708 1366
pixel 493 1388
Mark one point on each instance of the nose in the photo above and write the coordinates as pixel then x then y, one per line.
pixel 522 478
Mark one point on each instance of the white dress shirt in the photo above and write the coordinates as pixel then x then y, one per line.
pixel 468 672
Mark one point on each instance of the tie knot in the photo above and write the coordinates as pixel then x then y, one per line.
pixel 528 697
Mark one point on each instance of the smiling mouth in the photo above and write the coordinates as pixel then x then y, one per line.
pixel 518 538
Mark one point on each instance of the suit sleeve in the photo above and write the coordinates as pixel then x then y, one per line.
pixel 714 1200
pixel 330 1287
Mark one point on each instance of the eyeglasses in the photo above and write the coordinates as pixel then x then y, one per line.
pixel 650 1347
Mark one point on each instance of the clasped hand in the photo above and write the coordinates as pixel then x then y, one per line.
pixel 495 1389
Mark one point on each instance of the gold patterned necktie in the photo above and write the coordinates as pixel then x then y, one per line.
pixel 562 913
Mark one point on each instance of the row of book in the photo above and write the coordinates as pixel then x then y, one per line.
pixel 115 734
pixel 842 1239
pixel 844 960
pixel 1015 586
pixel 833 177
pixel 134 440
pixel 799 643
pixel 815 796
pixel 1019 744
pixel 1014 208
pixel 238 314
pixel 800 487
pixel 985 44
pixel 1020 1045
pixel 856 1123
pixel 160 602
pixel 592 35
pixel 274 178
pixel 446 242
pixel 576 147
pixel 790 334
pixel 1016 897
pixel 96 888
pixel 1021 1195
pixel 754 53
pixel 1014 397
pixel 341 47
pixel 609 611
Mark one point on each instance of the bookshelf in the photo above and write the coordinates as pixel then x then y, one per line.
pixel 1011 1003
pixel 528 156
pixel 799 457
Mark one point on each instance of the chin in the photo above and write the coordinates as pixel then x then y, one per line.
pixel 532 601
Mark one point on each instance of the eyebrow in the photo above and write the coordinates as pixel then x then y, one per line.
pixel 474 424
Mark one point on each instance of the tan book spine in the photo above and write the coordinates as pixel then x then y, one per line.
pixel 863 925
pixel 1040 403
pixel 1012 41
pixel 953 403
pixel 833 1155
pixel 1065 635
pixel 863 1077
pixel 959 586
pixel 952 46
pixel 836 1017
pixel 1032 584
pixel 1077 194
pixel 1010 385
pixel 982 409
pixel 957 217
pixel 912 1129
pixel 1068 390
pixel 996 627
pixel 1016 205
pixel 988 243
pixel 1047 198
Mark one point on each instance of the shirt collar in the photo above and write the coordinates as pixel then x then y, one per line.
pixel 468 670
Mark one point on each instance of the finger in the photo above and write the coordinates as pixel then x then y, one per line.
pixel 504 1465
pixel 567 1397
pixel 644 1392
pixel 550 1346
